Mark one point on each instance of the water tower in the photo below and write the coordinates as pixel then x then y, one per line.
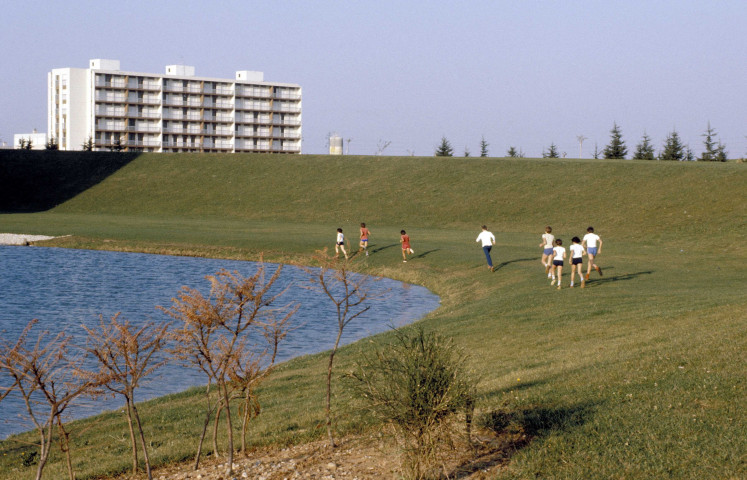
pixel 335 145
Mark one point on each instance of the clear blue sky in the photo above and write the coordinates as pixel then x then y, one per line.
pixel 521 73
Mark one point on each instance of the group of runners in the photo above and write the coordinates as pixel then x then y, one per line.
pixel 404 239
pixel 553 252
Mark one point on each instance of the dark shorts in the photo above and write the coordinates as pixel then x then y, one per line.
pixel 341 243
pixel 576 261
pixel 557 263
pixel 364 240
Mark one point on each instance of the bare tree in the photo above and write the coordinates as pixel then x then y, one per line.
pixel 348 292
pixel 126 355
pixel 215 336
pixel 44 375
pixel 381 146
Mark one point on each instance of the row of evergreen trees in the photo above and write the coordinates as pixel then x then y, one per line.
pixel 673 149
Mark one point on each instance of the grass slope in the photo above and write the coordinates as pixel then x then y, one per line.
pixel 640 375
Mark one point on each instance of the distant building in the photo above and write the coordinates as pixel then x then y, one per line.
pixel 335 145
pixel 38 140
pixel 171 112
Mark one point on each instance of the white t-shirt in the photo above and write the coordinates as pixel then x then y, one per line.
pixel 591 240
pixel 340 237
pixel 549 239
pixel 559 253
pixel 577 251
pixel 486 237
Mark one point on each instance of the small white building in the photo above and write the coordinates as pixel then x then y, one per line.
pixel 171 112
pixel 38 140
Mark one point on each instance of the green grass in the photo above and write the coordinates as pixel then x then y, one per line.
pixel 640 375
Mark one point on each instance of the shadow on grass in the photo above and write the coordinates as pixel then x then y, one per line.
pixel 512 430
pixel 376 250
pixel 509 262
pixel 596 282
pixel 424 254
pixel 39 180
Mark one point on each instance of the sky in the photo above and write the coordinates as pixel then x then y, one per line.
pixel 401 75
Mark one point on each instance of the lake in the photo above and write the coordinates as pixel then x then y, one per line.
pixel 65 288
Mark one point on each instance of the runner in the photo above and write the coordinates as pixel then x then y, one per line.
pixel 592 250
pixel 577 254
pixel 340 244
pixel 557 261
pixel 547 244
pixel 405 240
pixel 364 239
pixel 488 240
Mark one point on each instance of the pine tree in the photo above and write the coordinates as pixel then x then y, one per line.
pixel 714 152
pixel 616 147
pixel 88 144
pixel 596 151
pixel 673 148
pixel 645 149
pixel 721 153
pixel 483 147
pixel 444 150
pixel 52 144
pixel 466 152
pixel 552 152
pixel 512 153
pixel 689 155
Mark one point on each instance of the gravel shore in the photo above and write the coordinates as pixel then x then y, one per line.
pixel 21 239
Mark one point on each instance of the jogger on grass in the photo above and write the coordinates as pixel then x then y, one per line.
pixel 557 261
pixel 577 254
pixel 488 240
pixel 547 245
pixel 364 239
pixel 340 244
pixel 592 250
pixel 405 241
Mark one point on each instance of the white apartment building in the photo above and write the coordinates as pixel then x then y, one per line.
pixel 171 112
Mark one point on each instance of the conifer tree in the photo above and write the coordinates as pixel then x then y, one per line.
pixel 673 148
pixel 645 149
pixel 616 147
pixel 552 152
pixel 512 152
pixel 483 147
pixel 714 152
pixel 444 150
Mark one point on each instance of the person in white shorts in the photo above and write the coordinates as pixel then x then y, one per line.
pixel 547 244
pixel 577 254
pixel 593 245
pixel 557 261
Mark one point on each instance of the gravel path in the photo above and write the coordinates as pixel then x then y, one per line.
pixel 21 239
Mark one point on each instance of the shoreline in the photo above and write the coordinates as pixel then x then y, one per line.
pixel 22 239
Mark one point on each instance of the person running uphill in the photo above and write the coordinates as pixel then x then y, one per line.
pixel 488 240
pixel 364 239
pixel 593 245
pixel 577 254
pixel 405 241
pixel 557 262
pixel 547 245
pixel 340 244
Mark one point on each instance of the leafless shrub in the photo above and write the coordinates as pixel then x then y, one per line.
pixel 217 334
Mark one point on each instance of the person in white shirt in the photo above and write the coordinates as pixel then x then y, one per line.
pixel 593 245
pixel 488 240
pixel 340 244
pixel 557 261
pixel 577 253
pixel 547 243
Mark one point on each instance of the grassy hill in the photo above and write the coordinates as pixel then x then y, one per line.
pixel 640 375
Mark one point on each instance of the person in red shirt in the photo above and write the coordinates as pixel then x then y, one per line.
pixel 405 240
pixel 364 238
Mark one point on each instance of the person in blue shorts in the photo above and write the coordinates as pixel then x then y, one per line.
pixel 547 245
pixel 593 245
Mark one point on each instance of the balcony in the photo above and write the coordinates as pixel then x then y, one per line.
pixel 144 128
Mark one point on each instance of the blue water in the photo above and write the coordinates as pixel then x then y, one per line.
pixel 66 288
